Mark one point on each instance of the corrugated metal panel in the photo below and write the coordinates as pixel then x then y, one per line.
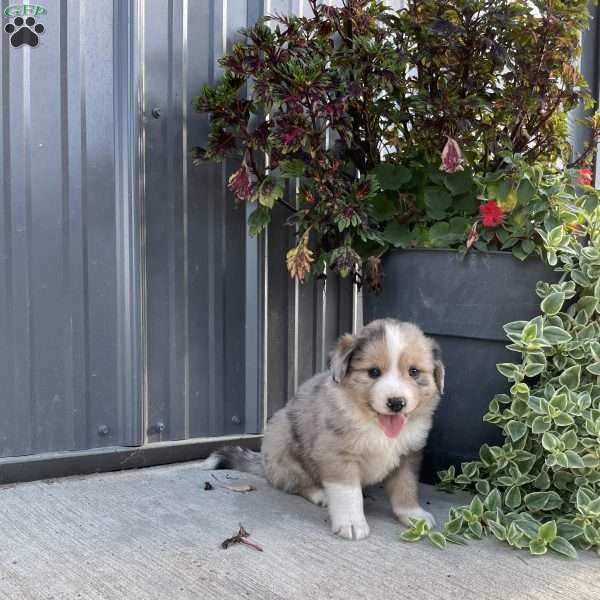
pixel 58 300
pixel 201 356
pixel 133 307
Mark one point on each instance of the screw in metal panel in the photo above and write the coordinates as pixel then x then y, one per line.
pixel 156 112
pixel 160 426
pixel 236 420
pixel 103 430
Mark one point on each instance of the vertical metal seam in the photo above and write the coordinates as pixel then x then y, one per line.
pixel 323 322
pixel 265 344
pixel 171 316
pixel 129 197
pixel 296 311
pixel 30 308
pixel 185 193
pixel 8 216
pixel 220 425
pixel 140 132
pixel 210 276
pixel 84 228
pixel 68 347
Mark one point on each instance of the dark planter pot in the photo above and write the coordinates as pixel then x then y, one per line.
pixel 463 302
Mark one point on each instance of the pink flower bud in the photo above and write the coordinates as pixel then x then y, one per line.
pixel 452 159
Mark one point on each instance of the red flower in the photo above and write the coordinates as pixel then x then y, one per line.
pixel 585 177
pixel 492 214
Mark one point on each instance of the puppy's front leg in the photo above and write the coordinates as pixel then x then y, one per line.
pixel 346 509
pixel 402 486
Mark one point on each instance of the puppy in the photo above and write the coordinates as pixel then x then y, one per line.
pixel 364 421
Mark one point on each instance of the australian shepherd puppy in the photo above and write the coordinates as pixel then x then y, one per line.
pixel 362 422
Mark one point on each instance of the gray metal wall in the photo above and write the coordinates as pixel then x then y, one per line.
pixel 59 312
pixel 133 307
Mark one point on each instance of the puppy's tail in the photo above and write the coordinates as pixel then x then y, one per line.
pixel 236 458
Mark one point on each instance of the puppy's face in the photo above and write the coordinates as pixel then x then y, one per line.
pixel 391 371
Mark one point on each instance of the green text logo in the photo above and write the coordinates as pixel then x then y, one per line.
pixel 24 10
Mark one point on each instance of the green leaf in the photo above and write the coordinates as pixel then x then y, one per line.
pixel 594 368
pixel 438 539
pixel 569 439
pixel 498 530
pixel 270 191
pixel 410 535
pixel 528 246
pixel 494 500
pixel 574 461
pixel 552 303
pixel 525 192
pixel 556 335
pixel 459 182
pixel 453 526
pixel 542 481
pixel 547 531
pixel 514 329
pixel 563 420
pixel 455 539
pixel 292 168
pixel 476 529
pixel 562 546
pixel 516 430
pixel 437 201
pixel 509 370
pixel 392 177
pixel 549 441
pixel 530 332
pixel 555 237
pixel 536 501
pixel 512 498
pixel 476 506
pixel 537 547
pixel 570 378
pixel 439 231
pixel 540 424
pixel 504 188
pixel 483 487
pixel 421 526
pixel 258 220
pixel 569 531
pixel 383 207
pixel 560 401
pixel 397 234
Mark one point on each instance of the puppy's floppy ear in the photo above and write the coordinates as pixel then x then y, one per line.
pixel 439 372
pixel 340 357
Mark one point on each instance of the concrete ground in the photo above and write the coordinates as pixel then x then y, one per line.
pixel 155 534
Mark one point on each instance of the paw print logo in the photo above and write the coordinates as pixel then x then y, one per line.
pixel 24 31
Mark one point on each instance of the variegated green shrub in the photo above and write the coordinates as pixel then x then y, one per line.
pixel 540 490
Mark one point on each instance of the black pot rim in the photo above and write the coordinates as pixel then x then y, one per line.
pixel 458 251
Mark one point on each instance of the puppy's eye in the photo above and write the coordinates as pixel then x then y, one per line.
pixel 374 373
pixel 413 372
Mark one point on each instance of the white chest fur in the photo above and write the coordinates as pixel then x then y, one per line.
pixel 381 454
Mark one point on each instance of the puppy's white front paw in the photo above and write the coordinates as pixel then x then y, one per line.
pixel 351 529
pixel 405 515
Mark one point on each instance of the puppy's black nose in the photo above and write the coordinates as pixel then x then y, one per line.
pixel 396 404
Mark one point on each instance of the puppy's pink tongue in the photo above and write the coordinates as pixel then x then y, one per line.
pixel 392 424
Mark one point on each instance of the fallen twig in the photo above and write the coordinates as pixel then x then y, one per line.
pixel 242 487
pixel 240 538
